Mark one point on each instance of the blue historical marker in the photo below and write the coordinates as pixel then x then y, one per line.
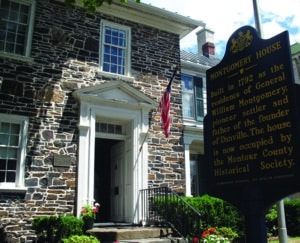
pixel 252 126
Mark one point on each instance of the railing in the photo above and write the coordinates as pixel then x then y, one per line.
pixel 161 206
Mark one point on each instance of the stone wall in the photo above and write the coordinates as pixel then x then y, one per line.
pixel 64 58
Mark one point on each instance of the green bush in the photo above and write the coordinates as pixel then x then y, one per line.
pixel 53 228
pixel 218 213
pixel 176 212
pixel 292 216
pixel 214 212
pixel 81 239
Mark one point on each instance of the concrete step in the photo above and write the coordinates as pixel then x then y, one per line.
pixel 133 234
pixel 150 240
pixel 154 240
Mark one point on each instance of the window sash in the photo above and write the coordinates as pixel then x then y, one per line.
pixel 13 138
pixel 192 97
pixel 114 48
pixel 199 104
pixel 16 26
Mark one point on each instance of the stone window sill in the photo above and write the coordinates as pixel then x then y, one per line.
pixel 114 76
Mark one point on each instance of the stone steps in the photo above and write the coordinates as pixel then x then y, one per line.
pixel 134 235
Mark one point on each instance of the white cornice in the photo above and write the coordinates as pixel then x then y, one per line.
pixel 197 67
pixel 151 16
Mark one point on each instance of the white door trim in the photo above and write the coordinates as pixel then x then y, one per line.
pixel 136 111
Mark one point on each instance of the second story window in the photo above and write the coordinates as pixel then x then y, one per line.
pixel 115 48
pixel 16 25
pixel 192 97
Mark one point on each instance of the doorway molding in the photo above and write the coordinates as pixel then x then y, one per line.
pixel 114 100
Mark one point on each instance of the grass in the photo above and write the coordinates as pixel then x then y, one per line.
pixel 290 240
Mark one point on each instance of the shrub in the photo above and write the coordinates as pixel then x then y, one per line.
pixel 81 239
pixel 228 233
pixel 218 213
pixel 271 221
pixel 292 215
pixel 214 212
pixel 54 228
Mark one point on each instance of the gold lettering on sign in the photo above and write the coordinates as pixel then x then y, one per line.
pixel 251 126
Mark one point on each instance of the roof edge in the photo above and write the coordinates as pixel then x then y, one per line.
pixel 149 15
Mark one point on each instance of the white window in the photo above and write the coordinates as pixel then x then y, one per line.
pixel 115 48
pixel 13 139
pixel 16 26
pixel 192 97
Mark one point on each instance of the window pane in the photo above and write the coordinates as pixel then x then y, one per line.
pixel 14 141
pixel 115 33
pixel 114 59
pixel 4 127
pixel 11 165
pixel 103 127
pixel 106 67
pixel 107 50
pixel 11 176
pixel 4 140
pixel 106 58
pixel 188 105
pixel 200 108
pixel 114 51
pixel 107 39
pixel 3 152
pixel 113 68
pixel 187 83
pixel 15 129
pixel 2 176
pixel 118 129
pixel 2 164
pixel 12 153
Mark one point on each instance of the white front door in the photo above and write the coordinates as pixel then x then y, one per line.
pixel 117 181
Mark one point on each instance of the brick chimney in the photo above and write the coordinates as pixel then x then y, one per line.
pixel 205 39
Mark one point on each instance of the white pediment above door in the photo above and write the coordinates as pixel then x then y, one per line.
pixel 115 93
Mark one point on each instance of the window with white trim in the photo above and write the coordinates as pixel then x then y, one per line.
pixel 192 97
pixel 16 26
pixel 115 41
pixel 13 140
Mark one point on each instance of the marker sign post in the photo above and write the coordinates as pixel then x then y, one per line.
pixel 252 126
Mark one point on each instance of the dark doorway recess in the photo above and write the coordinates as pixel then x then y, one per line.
pixel 102 181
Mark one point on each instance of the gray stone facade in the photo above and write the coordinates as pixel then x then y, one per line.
pixel 64 58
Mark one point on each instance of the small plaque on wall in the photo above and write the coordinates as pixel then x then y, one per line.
pixel 62 160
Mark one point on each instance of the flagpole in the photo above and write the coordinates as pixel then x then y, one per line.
pixel 282 231
pixel 257 18
pixel 169 84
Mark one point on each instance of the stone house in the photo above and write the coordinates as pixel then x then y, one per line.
pixel 79 117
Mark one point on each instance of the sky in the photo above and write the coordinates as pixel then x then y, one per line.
pixel 225 16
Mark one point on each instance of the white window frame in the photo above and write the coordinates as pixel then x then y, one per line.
pixel 192 94
pixel 28 41
pixel 127 65
pixel 18 185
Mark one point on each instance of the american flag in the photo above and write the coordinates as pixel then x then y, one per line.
pixel 165 106
pixel 165 110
